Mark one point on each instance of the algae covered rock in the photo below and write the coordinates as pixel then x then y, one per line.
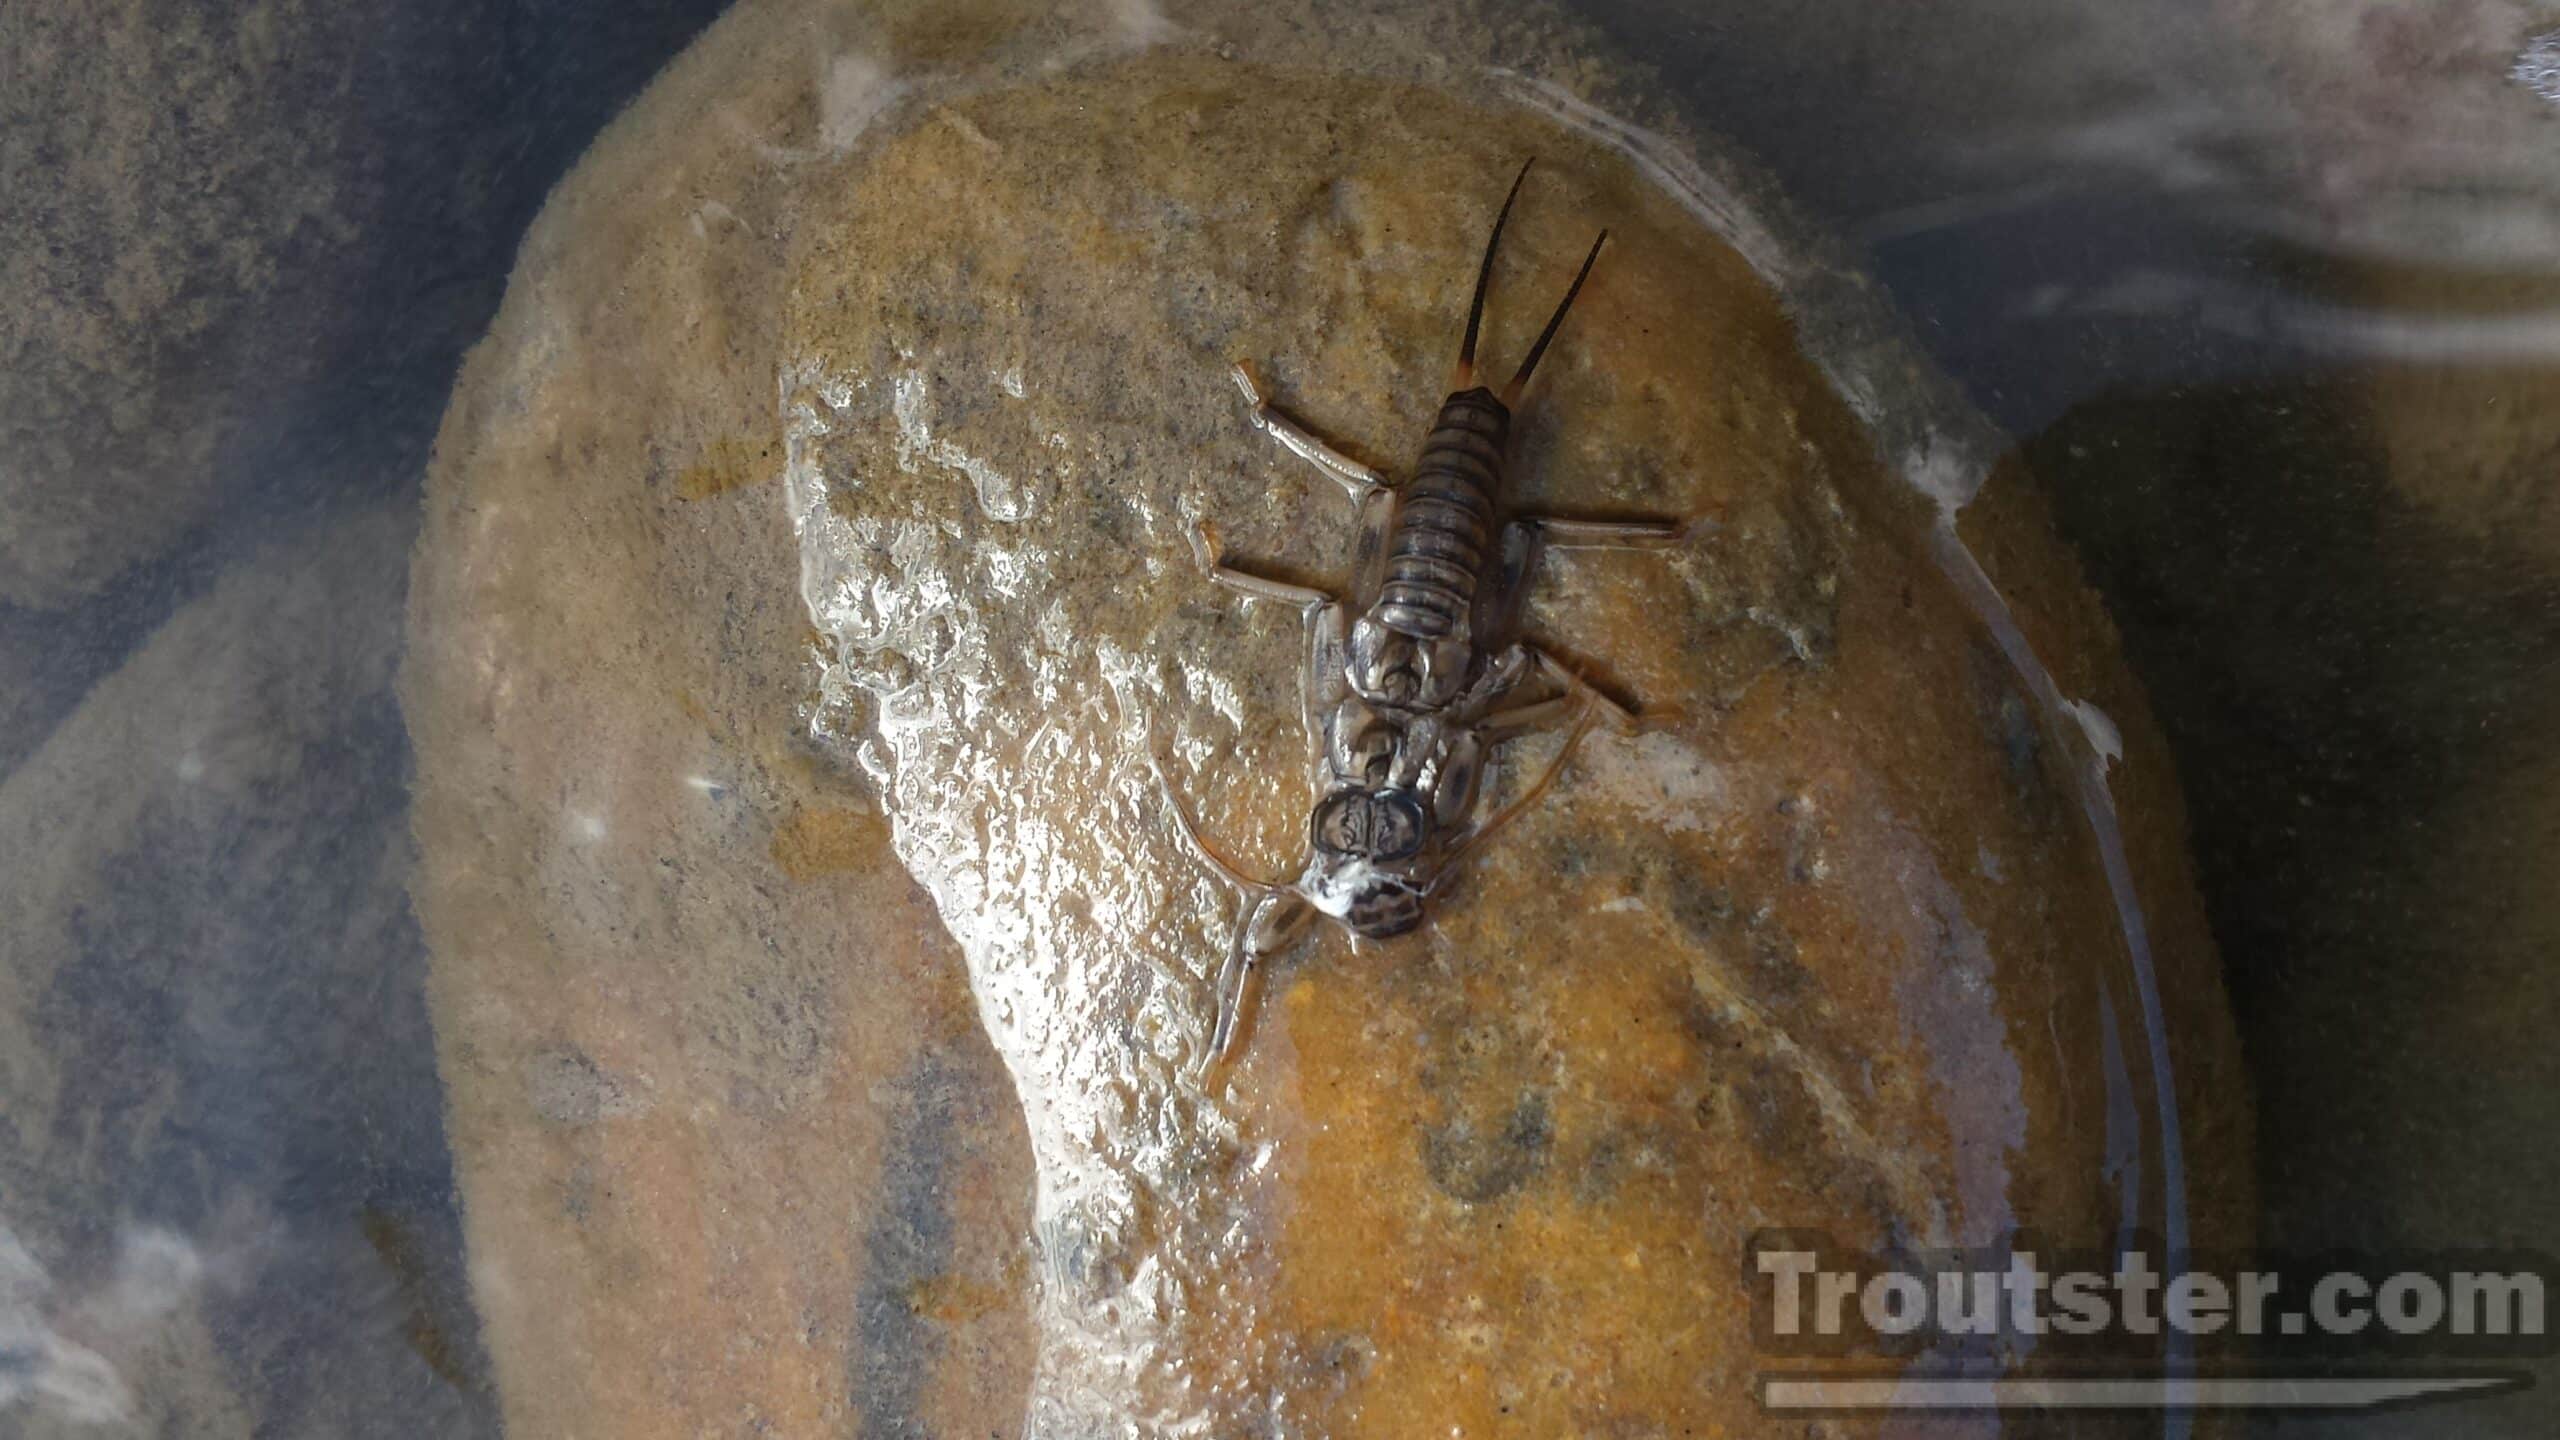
pixel 809 650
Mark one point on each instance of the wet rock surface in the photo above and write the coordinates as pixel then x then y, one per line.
pixel 231 306
pixel 817 517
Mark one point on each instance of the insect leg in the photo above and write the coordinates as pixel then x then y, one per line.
pixel 1235 984
pixel 1324 617
pixel 1570 679
pixel 1563 696
pixel 1356 479
pixel 1273 918
pixel 1212 557
pixel 1276 914
pixel 1607 534
pixel 1585 709
pixel 1270 926
pixel 1322 680
pixel 1526 535
pixel 1206 853
pixel 1537 715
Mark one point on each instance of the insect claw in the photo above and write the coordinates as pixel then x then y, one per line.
pixel 1204 545
pixel 1233 979
pixel 1251 385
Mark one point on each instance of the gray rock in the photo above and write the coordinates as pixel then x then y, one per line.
pixel 222 1168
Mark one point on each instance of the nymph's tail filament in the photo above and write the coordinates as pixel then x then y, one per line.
pixel 1520 382
pixel 1465 376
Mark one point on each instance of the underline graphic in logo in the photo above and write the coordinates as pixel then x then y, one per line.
pixel 1840 1393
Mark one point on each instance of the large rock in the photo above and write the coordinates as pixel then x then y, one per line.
pixel 818 516
pixel 241 232
pixel 225 1204
pixel 157 189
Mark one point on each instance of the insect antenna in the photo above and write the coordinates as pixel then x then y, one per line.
pixel 1215 858
pixel 1520 382
pixel 1465 375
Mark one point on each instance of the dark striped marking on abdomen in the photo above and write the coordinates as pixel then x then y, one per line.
pixel 1444 520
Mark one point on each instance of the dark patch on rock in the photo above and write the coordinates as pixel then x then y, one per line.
pixel 1630 1155
pixel 429 1321
pixel 566 1088
pixel 1748 940
pixel 2017 737
pixel 1477 1162
pixel 1778 1112
pixel 1714 1034
pixel 909 1245
pixel 1603 1167
pixel 578 1192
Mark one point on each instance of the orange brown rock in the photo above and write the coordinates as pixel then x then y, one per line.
pixel 1823 949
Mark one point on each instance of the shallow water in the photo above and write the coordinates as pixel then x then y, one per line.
pixel 2256 288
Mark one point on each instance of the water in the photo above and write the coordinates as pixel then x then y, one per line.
pixel 2258 292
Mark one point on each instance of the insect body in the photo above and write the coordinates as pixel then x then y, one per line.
pixel 1413 684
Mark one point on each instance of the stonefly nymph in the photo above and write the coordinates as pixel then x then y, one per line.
pixel 1416 677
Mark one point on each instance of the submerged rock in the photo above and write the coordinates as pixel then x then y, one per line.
pixel 820 520
pixel 226 1209
pixel 245 244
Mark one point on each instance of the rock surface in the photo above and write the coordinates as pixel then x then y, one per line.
pixel 155 199
pixel 252 225
pixel 243 247
pixel 817 516
pixel 225 1207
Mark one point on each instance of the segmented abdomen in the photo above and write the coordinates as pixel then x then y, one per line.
pixel 1444 522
